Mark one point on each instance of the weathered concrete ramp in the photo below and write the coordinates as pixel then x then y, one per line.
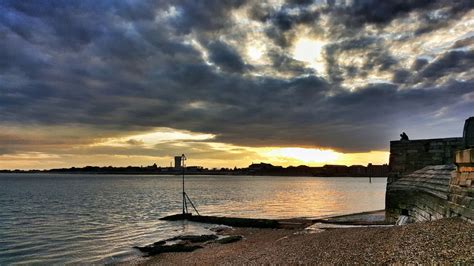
pixel 421 195
pixel 362 218
pixel 365 219
pixel 230 221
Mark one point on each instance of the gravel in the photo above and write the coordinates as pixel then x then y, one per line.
pixel 442 241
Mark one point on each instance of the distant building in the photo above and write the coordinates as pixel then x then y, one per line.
pixel 377 170
pixel 194 169
pixel 357 170
pixel 263 168
pixel 177 162
pixel 260 166
pixel 335 170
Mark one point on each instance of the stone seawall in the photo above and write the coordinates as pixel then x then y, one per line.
pixel 409 156
pixel 431 179
pixel 434 192
pixel 421 195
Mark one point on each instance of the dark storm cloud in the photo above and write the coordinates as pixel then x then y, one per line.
pixel 373 11
pixel 349 120
pixel 129 65
pixel 349 19
pixel 376 57
pixel 203 15
pixel 226 57
pixel 284 20
pixel 450 62
pixel 419 63
pixel 445 65
pixel 401 76
pixel 380 13
pixel 300 2
pixel 59 19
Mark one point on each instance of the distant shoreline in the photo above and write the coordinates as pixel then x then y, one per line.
pixel 259 169
pixel 175 174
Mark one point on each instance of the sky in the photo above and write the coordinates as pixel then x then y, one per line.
pixel 229 82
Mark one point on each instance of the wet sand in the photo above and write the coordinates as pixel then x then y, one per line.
pixel 442 241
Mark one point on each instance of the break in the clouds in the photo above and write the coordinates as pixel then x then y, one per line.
pixel 77 78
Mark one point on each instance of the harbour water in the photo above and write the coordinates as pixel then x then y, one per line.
pixel 60 218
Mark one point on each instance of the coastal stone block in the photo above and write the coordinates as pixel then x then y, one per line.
pixel 463 177
pixel 467 213
pixel 470 192
pixel 464 156
pixel 456 190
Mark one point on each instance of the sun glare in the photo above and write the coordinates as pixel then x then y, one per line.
pixel 305 155
pixel 310 52
pixel 254 53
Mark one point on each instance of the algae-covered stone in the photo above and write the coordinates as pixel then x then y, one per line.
pixel 158 249
pixel 195 238
pixel 229 239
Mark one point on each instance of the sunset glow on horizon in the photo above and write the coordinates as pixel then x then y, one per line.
pixel 161 144
pixel 305 155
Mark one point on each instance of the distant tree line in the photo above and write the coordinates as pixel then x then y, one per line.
pixel 253 169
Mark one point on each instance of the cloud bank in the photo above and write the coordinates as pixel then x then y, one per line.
pixel 228 68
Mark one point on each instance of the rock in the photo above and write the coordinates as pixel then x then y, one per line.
pixel 229 239
pixel 159 243
pixel 220 228
pixel 184 244
pixel 172 248
pixel 194 238
pixel 158 249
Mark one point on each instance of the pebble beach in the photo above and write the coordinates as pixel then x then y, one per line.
pixel 442 241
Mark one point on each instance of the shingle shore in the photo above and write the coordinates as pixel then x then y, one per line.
pixel 442 241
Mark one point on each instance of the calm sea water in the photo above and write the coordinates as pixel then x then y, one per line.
pixel 48 218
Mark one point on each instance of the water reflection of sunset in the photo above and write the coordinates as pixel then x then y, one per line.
pixel 286 197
